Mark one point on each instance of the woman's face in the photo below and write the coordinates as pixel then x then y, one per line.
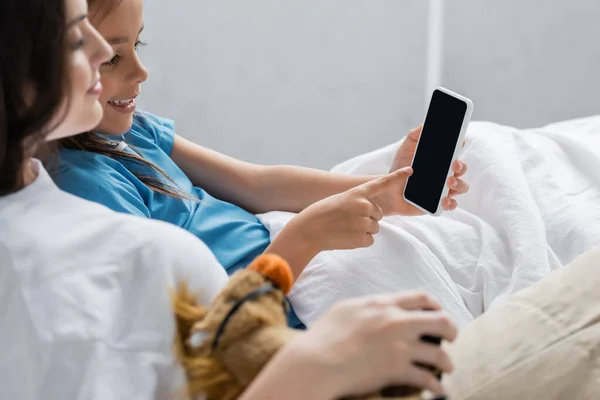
pixel 123 74
pixel 87 50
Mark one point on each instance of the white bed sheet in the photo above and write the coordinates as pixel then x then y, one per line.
pixel 534 205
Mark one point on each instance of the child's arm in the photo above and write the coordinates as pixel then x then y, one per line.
pixel 258 188
pixel 261 189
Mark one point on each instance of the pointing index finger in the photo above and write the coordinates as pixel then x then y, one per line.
pixel 380 185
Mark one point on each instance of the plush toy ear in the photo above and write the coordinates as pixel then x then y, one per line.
pixel 275 269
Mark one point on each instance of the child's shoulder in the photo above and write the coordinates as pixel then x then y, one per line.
pixel 147 126
pixel 85 170
pixel 145 121
pixel 83 161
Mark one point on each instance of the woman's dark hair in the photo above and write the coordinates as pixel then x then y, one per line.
pixel 155 178
pixel 33 61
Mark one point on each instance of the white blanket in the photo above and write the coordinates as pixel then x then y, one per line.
pixel 534 205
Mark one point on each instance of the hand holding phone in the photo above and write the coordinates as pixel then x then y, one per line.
pixel 438 147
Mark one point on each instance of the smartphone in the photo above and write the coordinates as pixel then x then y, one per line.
pixel 439 145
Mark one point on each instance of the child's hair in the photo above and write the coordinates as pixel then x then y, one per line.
pixel 156 179
pixel 33 80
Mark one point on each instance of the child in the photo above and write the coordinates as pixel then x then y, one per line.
pixel 135 163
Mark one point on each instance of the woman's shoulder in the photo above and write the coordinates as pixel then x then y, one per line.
pixel 156 244
pixel 91 270
pixel 191 260
pixel 63 235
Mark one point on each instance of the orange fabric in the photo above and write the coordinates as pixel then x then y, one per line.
pixel 276 269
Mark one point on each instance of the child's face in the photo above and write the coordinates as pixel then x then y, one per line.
pixel 123 74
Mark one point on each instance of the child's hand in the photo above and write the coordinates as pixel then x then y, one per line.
pixel 395 203
pixel 347 220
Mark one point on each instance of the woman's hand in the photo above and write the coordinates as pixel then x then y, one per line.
pixel 363 345
pixel 394 203
pixel 347 220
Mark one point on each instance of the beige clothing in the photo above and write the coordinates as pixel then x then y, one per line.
pixel 542 343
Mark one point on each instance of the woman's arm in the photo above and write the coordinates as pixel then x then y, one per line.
pixel 360 346
pixel 258 188
pixel 291 375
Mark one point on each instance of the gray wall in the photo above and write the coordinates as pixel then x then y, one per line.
pixel 525 62
pixel 313 82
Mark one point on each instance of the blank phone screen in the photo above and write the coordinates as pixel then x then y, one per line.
pixel 432 160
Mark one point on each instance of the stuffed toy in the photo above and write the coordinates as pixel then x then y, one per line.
pixel 224 347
